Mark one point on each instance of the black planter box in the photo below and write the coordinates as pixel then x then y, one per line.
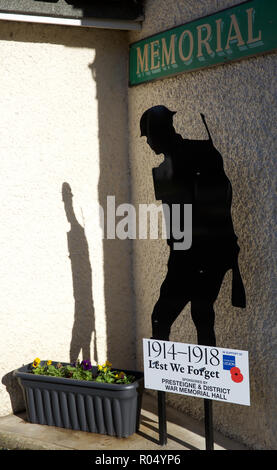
pixel 112 409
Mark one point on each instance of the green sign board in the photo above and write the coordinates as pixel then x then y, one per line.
pixel 247 29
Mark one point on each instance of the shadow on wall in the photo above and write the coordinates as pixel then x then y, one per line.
pixel 114 180
pixel 110 75
pixel 84 315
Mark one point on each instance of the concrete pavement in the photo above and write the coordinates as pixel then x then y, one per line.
pixel 183 433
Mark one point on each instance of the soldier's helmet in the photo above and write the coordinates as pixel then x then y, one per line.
pixel 156 119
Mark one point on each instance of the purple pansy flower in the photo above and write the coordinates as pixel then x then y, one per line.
pixel 86 365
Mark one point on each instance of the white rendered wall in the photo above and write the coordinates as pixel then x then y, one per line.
pixel 63 119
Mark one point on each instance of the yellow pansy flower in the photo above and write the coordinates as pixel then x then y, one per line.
pixel 36 362
pixel 49 363
pixel 108 364
pixel 100 367
pixel 105 369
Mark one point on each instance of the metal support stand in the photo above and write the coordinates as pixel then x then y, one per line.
pixel 209 434
pixel 162 418
pixel 208 412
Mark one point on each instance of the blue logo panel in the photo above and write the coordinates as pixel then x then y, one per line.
pixel 228 362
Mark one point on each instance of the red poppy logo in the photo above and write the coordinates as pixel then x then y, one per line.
pixel 236 374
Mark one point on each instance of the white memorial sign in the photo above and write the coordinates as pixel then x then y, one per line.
pixel 198 371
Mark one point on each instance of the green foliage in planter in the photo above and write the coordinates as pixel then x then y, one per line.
pixel 82 371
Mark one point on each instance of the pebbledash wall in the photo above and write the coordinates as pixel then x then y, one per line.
pixel 65 292
pixel 239 103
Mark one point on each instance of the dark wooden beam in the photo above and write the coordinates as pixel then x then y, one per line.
pixel 107 9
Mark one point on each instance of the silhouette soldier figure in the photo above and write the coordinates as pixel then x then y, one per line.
pixel 192 173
